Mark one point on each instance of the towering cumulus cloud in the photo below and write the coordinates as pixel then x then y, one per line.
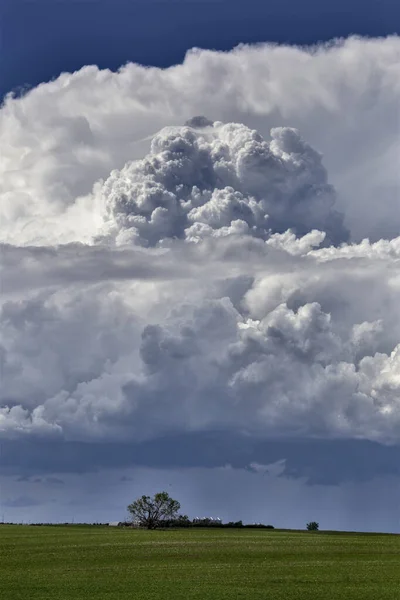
pixel 218 180
pixel 167 274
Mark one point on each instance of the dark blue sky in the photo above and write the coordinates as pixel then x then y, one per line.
pixel 41 38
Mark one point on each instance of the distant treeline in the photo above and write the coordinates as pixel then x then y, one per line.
pixel 172 523
pixel 205 522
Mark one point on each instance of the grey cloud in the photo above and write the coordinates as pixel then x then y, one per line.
pixel 27 268
pixel 20 502
pixel 266 339
pixel 49 481
pixel 316 461
pixel 199 122
pixel 277 468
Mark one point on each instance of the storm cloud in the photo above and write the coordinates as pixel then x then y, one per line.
pixel 172 276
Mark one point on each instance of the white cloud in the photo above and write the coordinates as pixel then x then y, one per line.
pixel 200 279
pixel 62 137
pixel 202 183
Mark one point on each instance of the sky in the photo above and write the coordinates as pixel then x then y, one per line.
pixel 41 38
pixel 200 260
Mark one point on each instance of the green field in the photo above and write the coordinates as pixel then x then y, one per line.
pixel 104 563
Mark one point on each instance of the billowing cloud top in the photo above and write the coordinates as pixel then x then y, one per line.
pixel 221 180
pixel 210 276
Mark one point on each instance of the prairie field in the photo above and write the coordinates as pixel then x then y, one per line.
pixel 105 563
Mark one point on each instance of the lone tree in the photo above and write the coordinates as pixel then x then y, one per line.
pixel 152 512
pixel 313 526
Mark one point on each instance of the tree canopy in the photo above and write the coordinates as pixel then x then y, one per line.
pixel 151 512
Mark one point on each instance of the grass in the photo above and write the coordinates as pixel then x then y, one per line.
pixel 81 563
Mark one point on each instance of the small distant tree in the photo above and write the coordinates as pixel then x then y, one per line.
pixel 153 512
pixel 313 526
